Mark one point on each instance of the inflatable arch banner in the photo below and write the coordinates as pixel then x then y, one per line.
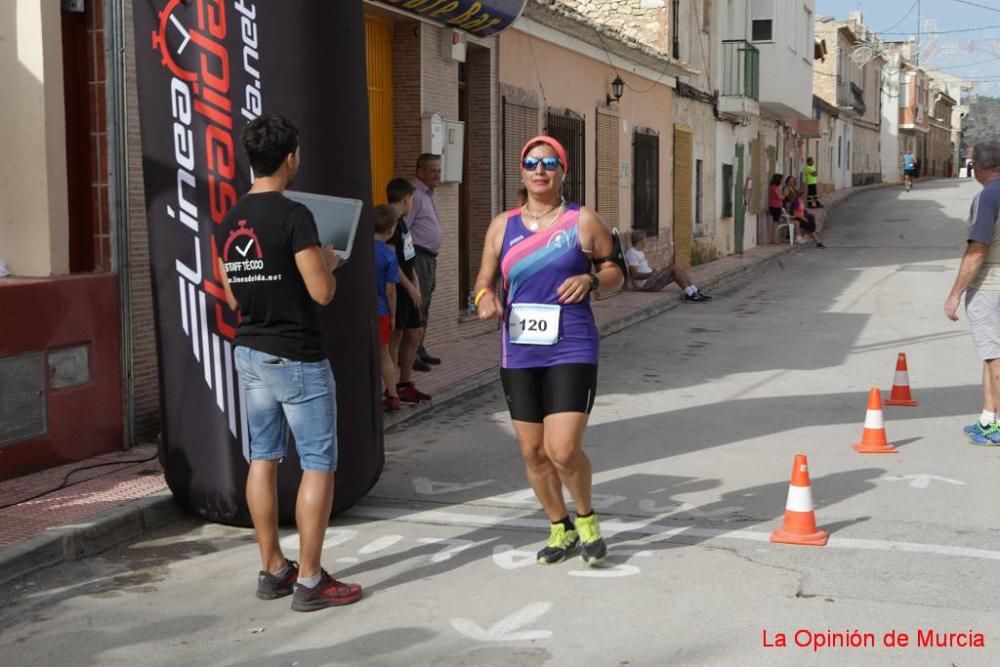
pixel 205 67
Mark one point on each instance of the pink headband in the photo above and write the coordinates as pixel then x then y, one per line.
pixel 549 141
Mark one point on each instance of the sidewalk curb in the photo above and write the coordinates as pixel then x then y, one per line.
pixel 79 540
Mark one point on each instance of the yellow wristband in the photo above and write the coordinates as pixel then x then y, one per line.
pixel 479 296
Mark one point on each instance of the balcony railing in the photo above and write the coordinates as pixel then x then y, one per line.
pixel 740 69
pixel 850 95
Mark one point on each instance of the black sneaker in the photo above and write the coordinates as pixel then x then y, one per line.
pixel 561 542
pixel 819 244
pixel 697 297
pixel 704 296
pixel 270 587
pixel 425 356
pixel 327 593
pixel 421 365
pixel 593 549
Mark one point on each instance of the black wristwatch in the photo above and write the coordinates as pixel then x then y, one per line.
pixel 595 282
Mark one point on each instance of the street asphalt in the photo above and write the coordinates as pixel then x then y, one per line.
pixel 699 415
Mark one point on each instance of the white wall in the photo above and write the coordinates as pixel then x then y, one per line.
pixel 786 62
pixel 34 208
pixel 843 146
pixel 890 127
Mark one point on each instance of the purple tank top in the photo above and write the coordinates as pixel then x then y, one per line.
pixel 533 266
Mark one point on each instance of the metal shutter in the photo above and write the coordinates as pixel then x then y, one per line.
pixel 646 182
pixel 608 160
pixel 683 209
pixel 568 129
pixel 520 123
pixel 378 58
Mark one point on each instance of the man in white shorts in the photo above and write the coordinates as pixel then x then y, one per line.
pixel 979 279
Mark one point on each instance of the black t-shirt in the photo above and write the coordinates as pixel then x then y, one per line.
pixel 405 251
pixel 257 241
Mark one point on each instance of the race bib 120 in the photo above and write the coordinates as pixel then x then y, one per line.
pixel 533 324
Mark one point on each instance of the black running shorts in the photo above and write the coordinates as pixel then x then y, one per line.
pixel 534 393
pixel 407 313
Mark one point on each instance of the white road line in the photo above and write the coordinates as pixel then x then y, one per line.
pixel 660 532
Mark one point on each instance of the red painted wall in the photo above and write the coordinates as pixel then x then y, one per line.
pixel 44 314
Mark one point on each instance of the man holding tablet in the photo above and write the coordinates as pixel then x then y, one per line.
pixel 275 272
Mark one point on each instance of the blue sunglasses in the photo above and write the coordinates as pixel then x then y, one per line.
pixel 550 163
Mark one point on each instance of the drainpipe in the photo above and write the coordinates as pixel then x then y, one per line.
pixel 118 195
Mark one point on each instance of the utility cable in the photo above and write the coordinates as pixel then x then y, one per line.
pixel 908 12
pixel 65 482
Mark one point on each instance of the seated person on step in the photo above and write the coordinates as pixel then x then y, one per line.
pixel 794 204
pixel 647 279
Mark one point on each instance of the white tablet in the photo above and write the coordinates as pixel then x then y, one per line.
pixel 336 219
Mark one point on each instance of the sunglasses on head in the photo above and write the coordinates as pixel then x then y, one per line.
pixel 550 163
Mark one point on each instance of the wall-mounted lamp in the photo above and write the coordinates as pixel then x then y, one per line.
pixel 617 88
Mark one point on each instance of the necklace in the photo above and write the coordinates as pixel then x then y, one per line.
pixel 536 220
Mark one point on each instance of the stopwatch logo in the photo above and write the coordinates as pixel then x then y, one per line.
pixel 180 36
pixel 243 247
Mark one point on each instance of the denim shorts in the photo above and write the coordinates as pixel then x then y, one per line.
pixel 298 394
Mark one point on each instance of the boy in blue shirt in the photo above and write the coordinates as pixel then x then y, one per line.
pixel 386 279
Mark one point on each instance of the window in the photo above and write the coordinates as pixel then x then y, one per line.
pixel 848 154
pixel 840 143
pixel 698 192
pixel 568 129
pixel 727 191
pixel 675 25
pixel 762 20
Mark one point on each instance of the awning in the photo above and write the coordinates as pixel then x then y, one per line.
pixel 481 19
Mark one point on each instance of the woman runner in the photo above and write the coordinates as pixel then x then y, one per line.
pixel 544 251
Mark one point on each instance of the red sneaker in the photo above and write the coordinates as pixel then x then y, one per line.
pixel 327 593
pixel 390 403
pixel 410 394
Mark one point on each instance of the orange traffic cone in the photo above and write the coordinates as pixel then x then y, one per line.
pixel 800 519
pixel 901 384
pixel 873 440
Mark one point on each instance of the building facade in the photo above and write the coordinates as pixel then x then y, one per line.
pixel 620 150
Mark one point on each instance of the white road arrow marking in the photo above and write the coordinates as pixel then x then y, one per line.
pixel 509 558
pixel 429 487
pixel 505 630
pixel 332 538
pixel 453 547
pixel 922 480
pixel 526 498
pixel 380 543
pixel 685 508
pixel 615 571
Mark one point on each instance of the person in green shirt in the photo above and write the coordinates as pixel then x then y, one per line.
pixel 812 201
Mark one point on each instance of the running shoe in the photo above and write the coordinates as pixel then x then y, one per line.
pixel 561 541
pixel 975 428
pixel 390 404
pixel 410 394
pixel 593 549
pixel 704 296
pixel 272 587
pixel 988 437
pixel 327 593
pixel 697 297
